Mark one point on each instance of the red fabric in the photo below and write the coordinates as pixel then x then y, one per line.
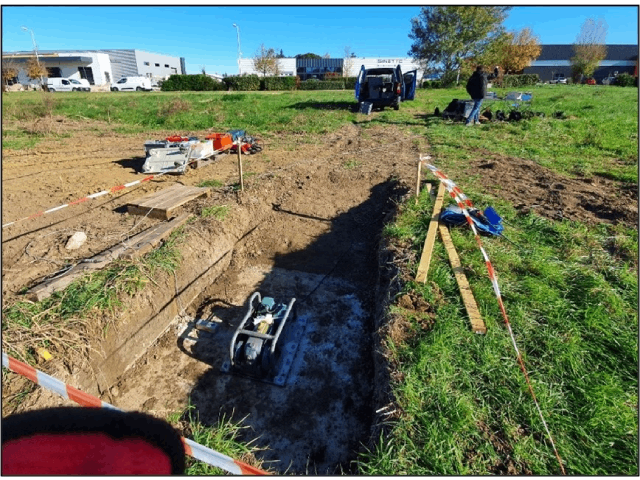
pixel 82 454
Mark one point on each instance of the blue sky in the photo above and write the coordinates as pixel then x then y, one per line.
pixel 204 35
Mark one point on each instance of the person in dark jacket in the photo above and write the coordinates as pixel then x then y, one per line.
pixel 477 89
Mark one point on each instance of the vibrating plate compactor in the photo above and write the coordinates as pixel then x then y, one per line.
pixel 266 341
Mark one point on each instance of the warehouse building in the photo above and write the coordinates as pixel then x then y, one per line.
pixel 556 59
pixel 323 68
pixel 98 67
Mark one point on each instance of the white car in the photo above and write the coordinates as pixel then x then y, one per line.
pixel 67 85
pixel 126 84
pixel 81 85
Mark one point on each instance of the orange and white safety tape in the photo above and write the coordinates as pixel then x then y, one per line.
pixel 463 202
pixel 193 449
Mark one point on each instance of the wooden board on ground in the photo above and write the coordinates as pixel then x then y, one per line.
pixel 477 324
pixel 162 204
pixel 425 258
pixel 135 247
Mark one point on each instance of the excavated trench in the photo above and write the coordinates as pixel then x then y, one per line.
pixel 312 237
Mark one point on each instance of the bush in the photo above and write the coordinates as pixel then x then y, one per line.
pixel 244 83
pixel 314 84
pixel 431 84
pixel 350 82
pixel 278 83
pixel 511 81
pixel 194 83
pixel 625 80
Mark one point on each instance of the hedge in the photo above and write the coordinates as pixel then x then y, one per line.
pixel 278 83
pixel 243 82
pixel 625 80
pixel 321 85
pixel 198 83
pixel 511 81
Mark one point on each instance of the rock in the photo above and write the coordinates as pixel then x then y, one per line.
pixel 76 241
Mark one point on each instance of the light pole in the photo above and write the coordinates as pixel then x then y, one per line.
pixel 239 51
pixel 35 47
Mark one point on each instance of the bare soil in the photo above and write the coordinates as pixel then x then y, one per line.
pixel 318 207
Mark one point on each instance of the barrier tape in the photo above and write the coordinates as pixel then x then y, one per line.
pixel 463 201
pixel 193 449
pixel 88 197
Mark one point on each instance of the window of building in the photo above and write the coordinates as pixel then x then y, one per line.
pixel 87 74
pixel 54 72
pixel 146 63
pixel 174 70
pixel 166 66
pixel 157 64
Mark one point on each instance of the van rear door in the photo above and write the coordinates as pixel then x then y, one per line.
pixel 399 80
pixel 359 82
pixel 409 81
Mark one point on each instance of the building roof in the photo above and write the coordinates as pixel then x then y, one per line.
pixel 565 52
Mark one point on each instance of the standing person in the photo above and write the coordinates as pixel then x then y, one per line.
pixel 477 89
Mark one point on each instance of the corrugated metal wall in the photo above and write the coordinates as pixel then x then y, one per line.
pixel 123 63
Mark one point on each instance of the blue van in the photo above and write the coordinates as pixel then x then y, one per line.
pixel 385 86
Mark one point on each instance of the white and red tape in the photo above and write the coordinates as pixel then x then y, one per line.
pixel 191 448
pixel 463 202
pixel 84 199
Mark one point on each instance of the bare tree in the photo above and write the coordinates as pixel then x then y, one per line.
pixel 348 62
pixel 590 48
pixel 266 62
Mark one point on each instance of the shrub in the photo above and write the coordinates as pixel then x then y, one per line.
pixel 278 83
pixel 350 82
pixel 625 80
pixel 510 81
pixel 243 82
pixel 431 84
pixel 197 83
pixel 314 84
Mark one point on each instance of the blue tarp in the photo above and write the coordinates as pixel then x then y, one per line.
pixel 488 222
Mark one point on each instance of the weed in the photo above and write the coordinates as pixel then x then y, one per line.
pixel 177 105
pixel 351 164
pixel 211 183
pixel 219 212
pixel 222 437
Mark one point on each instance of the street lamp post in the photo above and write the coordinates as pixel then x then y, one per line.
pixel 239 51
pixel 35 48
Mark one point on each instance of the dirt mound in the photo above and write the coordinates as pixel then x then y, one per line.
pixel 530 186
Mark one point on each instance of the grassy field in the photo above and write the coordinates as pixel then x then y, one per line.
pixel 570 290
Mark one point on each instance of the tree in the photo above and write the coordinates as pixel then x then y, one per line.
pixel 10 71
pixel 445 36
pixel 266 61
pixel 589 49
pixel 308 55
pixel 35 70
pixel 348 62
pixel 281 54
pixel 522 49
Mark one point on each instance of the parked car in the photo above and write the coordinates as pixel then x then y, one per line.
pixel 384 87
pixel 131 84
pixel 609 81
pixel 558 78
pixel 81 85
pixel 61 85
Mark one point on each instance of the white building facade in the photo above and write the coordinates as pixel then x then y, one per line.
pixel 407 64
pixel 99 67
pixel 287 67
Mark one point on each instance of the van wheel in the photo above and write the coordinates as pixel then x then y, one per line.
pixel 138 89
pixel 52 89
pixel 74 89
pixel 396 107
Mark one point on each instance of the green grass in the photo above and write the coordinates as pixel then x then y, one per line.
pixel 211 183
pixel 571 296
pixel 219 212
pixel 61 319
pixel 222 438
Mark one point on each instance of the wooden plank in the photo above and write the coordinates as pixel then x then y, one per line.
pixel 141 246
pixel 477 324
pixel 162 204
pixel 141 243
pixel 425 258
